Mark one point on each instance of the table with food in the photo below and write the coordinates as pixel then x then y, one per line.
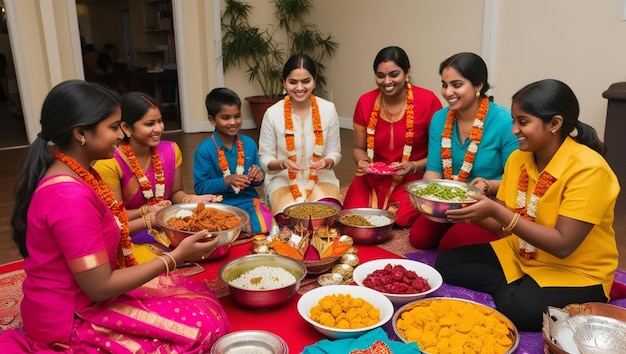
pixel 319 279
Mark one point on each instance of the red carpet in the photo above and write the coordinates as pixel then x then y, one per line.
pixel 11 277
pixel 283 321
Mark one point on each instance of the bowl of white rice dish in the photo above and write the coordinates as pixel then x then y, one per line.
pixel 262 281
pixel 367 225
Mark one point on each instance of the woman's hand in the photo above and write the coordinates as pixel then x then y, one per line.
pixel 362 165
pixel 206 198
pixel 402 168
pixel 318 165
pixel 197 246
pixel 482 184
pixel 292 166
pixel 483 208
pixel 154 208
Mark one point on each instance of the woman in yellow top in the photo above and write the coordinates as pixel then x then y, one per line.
pixel 554 209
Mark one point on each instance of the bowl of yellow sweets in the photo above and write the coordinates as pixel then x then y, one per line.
pixel 344 311
pixel 446 325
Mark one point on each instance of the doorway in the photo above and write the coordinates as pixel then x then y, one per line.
pixel 13 132
pixel 144 59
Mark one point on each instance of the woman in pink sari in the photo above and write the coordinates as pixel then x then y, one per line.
pixel 145 173
pixel 391 130
pixel 84 291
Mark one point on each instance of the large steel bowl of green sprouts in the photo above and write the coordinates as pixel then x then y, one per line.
pixel 433 197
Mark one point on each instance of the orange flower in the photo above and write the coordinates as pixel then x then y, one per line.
pixel 475 135
pixel 291 146
pixel 223 163
pixel 409 134
pixel 159 177
pixel 125 256
pixel 529 209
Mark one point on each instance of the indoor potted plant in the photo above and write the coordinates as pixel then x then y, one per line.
pixel 257 49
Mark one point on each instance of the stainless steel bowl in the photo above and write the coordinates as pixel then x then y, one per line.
pixel 367 234
pixel 288 220
pixel 262 299
pixel 435 209
pixel 250 341
pixel 226 237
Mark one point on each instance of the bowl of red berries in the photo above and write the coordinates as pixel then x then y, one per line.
pixel 401 280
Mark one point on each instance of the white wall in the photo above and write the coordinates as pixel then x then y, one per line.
pixel 580 42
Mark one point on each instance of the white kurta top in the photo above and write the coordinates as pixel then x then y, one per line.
pixel 272 145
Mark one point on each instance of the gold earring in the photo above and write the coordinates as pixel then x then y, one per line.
pixel 477 94
pixel 553 131
pixel 82 140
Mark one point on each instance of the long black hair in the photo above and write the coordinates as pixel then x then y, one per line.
pixel 393 54
pixel 472 67
pixel 298 61
pixel 548 98
pixel 134 106
pixel 69 104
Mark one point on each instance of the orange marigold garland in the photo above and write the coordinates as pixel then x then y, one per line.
pixel 125 256
pixel 159 177
pixel 410 118
pixel 476 134
pixel 221 159
pixel 529 210
pixel 318 148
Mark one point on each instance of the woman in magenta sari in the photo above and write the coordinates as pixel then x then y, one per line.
pixel 145 173
pixel 391 130
pixel 84 291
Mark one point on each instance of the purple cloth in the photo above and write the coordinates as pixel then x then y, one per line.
pixel 530 342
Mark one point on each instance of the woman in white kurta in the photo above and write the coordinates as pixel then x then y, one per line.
pixel 299 143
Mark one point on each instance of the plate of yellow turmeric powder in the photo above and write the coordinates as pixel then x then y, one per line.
pixel 451 325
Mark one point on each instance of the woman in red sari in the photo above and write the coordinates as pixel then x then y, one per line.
pixel 390 137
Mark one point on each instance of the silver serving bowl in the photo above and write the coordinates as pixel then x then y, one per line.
pixel 287 218
pixel 261 299
pixel 367 234
pixel 433 208
pixel 226 237
pixel 250 341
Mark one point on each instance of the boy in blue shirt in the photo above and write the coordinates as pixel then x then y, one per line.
pixel 227 162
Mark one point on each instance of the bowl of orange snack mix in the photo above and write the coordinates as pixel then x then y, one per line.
pixel 223 221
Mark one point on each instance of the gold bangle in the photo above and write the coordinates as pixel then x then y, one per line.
pixel 147 222
pixel 512 224
pixel 172 258
pixel 167 267
pixel 143 211
pixel 187 198
pixel 415 166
